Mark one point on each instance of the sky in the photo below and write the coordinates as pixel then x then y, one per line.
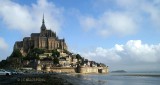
pixel 123 34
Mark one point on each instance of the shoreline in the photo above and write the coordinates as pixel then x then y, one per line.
pixel 64 78
pixel 136 74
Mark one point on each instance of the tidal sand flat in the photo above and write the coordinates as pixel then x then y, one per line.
pixel 114 79
pixel 82 79
pixel 34 79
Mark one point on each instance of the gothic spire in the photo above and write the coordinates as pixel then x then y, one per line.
pixel 43 20
pixel 43 27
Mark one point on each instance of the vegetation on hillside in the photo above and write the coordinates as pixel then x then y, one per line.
pixel 55 53
pixel 34 54
pixel 13 61
pixel 16 54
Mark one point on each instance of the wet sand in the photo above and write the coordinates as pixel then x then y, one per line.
pixel 35 79
pixel 47 79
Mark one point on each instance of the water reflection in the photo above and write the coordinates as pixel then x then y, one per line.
pixel 92 79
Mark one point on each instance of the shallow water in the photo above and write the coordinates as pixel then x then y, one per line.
pixel 119 79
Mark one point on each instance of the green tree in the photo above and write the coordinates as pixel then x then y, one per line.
pixel 15 63
pixel 15 59
pixel 38 51
pixel 82 63
pixel 55 53
pixel 34 54
pixel 56 60
pixel 102 64
pixel 4 64
pixel 78 56
pixel 16 54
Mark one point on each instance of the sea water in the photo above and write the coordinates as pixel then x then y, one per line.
pixel 119 79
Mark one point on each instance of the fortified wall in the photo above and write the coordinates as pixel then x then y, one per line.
pixel 62 69
pixel 93 70
pixel 76 69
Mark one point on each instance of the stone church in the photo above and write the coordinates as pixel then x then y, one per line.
pixel 46 39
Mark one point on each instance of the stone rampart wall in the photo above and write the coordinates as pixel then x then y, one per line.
pixel 94 70
pixel 62 69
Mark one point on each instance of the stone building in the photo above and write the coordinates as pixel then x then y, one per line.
pixel 46 39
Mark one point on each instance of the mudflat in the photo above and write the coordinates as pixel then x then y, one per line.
pixel 34 79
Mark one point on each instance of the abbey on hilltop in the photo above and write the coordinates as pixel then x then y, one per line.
pixel 46 39
pixel 45 52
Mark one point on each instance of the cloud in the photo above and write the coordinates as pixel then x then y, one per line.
pixel 134 52
pixel 3 48
pixel 122 17
pixel 28 18
pixel 88 23
pixel 153 11
pixel 110 23
pixel 3 44
pixel 143 52
pixel 100 53
pixel 143 7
